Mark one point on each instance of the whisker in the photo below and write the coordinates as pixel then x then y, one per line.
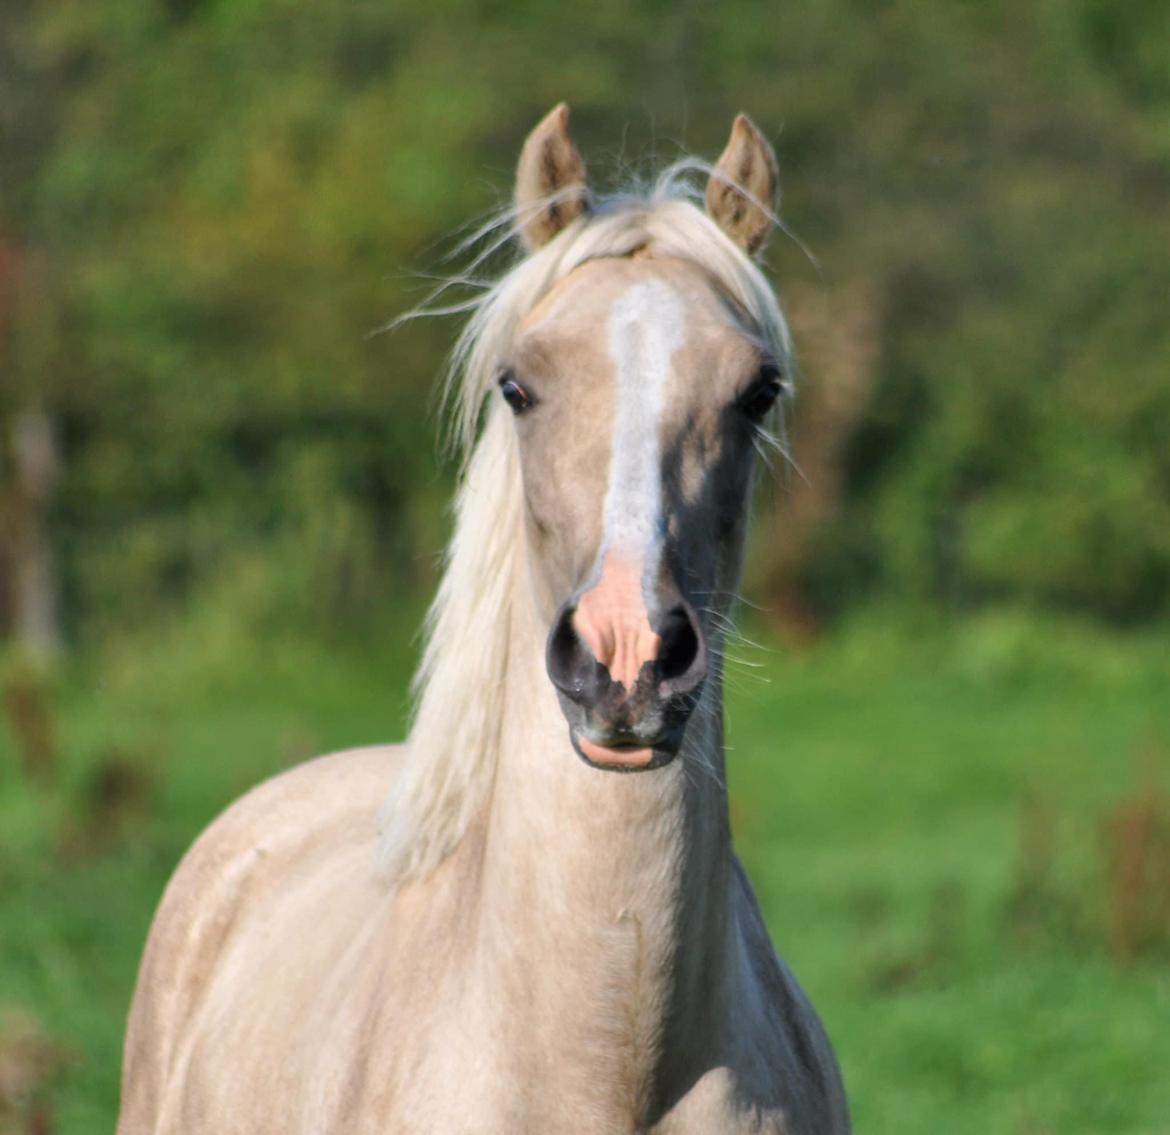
pixel 705 768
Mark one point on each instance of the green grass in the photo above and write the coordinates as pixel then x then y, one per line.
pixel 930 816
pixel 926 824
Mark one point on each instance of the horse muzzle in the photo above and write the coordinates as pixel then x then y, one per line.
pixel 627 681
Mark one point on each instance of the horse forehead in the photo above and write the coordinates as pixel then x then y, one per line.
pixel 601 297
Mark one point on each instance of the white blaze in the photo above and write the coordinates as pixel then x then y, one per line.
pixel 647 324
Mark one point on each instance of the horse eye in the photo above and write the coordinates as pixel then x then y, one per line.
pixel 515 394
pixel 761 396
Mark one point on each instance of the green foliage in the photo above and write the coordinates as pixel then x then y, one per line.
pixel 214 204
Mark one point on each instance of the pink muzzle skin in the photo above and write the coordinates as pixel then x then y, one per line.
pixel 615 758
pixel 613 621
pixel 627 687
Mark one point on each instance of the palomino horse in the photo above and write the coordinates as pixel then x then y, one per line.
pixel 551 932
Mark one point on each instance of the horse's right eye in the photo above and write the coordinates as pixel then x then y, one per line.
pixel 515 394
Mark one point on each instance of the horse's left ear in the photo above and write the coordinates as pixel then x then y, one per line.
pixel 550 181
pixel 741 193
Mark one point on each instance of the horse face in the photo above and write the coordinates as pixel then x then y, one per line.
pixel 638 392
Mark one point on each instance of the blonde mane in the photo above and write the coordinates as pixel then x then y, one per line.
pixel 459 687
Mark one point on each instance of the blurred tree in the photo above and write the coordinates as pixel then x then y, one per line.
pixel 205 198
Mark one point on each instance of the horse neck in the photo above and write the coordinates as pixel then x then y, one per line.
pixel 606 897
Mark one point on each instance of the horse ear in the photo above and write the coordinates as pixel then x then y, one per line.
pixel 550 181
pixel 741 192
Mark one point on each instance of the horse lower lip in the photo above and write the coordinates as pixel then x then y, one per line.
pixel 626 756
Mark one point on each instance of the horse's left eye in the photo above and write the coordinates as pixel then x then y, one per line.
pixel 515 394
pixel 761 396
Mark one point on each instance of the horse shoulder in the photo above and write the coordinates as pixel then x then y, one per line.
pixel 231 867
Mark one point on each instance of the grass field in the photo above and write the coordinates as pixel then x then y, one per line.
pixel 960 836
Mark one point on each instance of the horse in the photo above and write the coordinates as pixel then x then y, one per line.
pixel 544 927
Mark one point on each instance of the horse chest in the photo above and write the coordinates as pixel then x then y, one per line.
pixel 570 1049
pixel 540 1039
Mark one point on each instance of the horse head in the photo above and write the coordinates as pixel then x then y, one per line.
pixel 640 385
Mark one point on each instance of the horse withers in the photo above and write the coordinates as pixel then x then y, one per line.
pixel 529 918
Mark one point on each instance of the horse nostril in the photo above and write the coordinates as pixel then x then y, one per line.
pixel 676 653
pixel 679 654
pixel 570 664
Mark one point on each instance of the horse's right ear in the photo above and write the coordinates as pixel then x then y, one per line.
pixel 550 181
